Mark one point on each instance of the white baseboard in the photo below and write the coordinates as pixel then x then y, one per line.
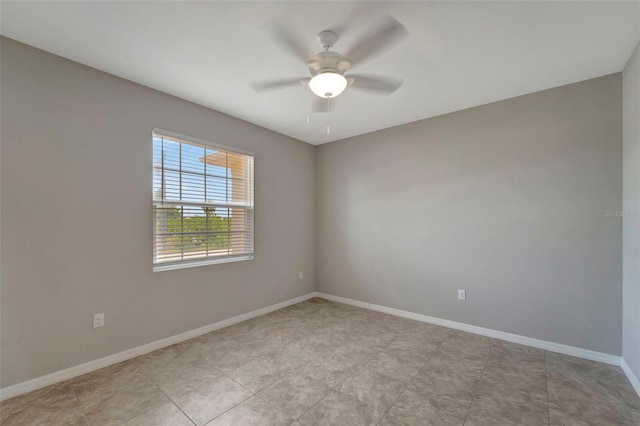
pixel 528 341
pixel 635 382
pixel 69 373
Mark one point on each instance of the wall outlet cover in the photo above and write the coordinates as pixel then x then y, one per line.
pixel 98 320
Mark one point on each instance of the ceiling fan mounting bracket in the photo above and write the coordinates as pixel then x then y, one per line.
pixel 327 39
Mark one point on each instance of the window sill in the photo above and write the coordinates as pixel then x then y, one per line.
pixel 182 265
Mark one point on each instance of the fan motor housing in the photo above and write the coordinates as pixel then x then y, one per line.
pixel 328 61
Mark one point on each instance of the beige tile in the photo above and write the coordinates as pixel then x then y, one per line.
pixel 468 363
pixel 331 370
pixel 366 334
pixel 54 405
pixel 326 342
pixel 295 394
pixel 446 383
pixel 470 338
pixel 570 385
pixel 413 408
pixel 44 416
pixel 432 331
pixel 235 357
pixel 466 348
pixel 300 350
pixel 587 401
pixel 183 378
pixel 390 365
pixel 494 405
pixel 427 338
pixel 112 377
pixel 338 409
pixel 376 390
pixel 410 353
pixel 272 340
pixel 516 378
pixel 252 412
pixel 58 396
pixel 263 371
pixel 208 401
pixel 507 351
pixel 356 352
pixel 582 369
pixel 417 342
pixel 157 362
pixel 108 405
pixel 402 325
pixel 301 309
pixel 564 411
pixel 202 354
pixel 166 415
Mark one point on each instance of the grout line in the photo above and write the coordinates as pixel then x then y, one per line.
pixel 176 405
pixel 164 393
pixel 294 370
pixel 266 401
pixel 230 408
pixel 475 395
pixel 291 370
pixel 240 384
pixel 80 405
pixel 411 380
pixel 546 380
pixel 281 349
pixel 334 388
pixel 150 379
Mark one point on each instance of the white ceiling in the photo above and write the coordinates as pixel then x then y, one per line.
pixel 458 54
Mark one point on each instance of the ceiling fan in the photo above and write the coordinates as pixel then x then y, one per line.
pixel 330 70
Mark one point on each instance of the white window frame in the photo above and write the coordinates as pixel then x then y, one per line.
pixel 212 260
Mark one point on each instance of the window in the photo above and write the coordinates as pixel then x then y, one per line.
pixel 202 202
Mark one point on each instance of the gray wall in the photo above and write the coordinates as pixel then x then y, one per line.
pixel 631 221
pixel 506 200
pixel 76 217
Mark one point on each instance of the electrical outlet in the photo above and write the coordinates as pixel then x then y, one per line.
pixel 98 320
pixel 301 275
pixel 462 295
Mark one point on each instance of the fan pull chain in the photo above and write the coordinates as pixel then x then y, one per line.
pixel 328 109
pixel 307 118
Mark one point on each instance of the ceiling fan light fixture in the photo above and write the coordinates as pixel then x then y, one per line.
pixel 328 84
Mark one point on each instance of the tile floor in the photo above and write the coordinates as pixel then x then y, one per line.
pixel 323 363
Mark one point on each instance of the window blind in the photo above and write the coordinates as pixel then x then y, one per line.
pixel 202 202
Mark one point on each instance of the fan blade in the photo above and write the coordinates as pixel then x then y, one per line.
pixel 353 19
pixel 263 86
pixel 387 32
pixel 379 85
pixel 286 36
pixel 322 105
